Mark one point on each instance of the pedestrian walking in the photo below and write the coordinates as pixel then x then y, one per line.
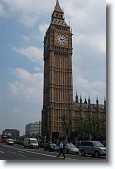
pixel 61 148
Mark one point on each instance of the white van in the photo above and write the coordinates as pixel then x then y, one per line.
pixel 30 142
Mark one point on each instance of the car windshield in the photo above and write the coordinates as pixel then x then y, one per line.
pixel 71 146
pixel 33 141
pixel 98 144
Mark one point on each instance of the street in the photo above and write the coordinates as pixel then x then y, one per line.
pixel 18 152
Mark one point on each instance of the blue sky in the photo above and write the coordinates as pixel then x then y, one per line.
pixel 22 27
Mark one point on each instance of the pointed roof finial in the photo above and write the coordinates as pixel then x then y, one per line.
pixel 69 23
pixel 104 100
pixel 97 101
pixel 57 7
pixel 80 99
pixel 76 98
pixel 89 99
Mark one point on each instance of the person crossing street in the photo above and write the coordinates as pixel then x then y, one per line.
pixel 61 148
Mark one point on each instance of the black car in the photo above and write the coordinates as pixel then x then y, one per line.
pixel 50 147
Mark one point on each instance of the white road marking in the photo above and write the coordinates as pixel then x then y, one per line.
pixel 2 152
pixel 22 155
pixel 28 151
pixel 13 152
pixel 20 152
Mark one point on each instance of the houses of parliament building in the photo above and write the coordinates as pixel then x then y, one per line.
pixel 58 83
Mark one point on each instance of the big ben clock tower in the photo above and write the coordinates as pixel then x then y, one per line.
pixel 58 87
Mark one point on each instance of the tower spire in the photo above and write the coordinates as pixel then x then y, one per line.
pixel 57 7
pixel 57 17
pixel 76 98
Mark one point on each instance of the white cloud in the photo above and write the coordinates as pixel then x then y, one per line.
pixel 87 87
pixel 99 85
pixel 33 53
pixel 27 11
pixel 95 85
pixel 26 85
pixel 26 38
pixel 27 20
pixel 2 11
pixel 99 42
pixel 42 29
pixel 80 13
pixel 37 69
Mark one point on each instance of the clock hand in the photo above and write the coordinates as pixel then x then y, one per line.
pixel 62 39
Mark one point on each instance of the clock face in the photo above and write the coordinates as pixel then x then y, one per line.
pixel 61 39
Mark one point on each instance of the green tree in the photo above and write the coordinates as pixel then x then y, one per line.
pixel 92 126
pixel 66 126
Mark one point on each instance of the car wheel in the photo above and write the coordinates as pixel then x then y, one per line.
pixel 82 153
pixel 96 154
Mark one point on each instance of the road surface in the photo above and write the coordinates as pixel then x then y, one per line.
pixel 18 152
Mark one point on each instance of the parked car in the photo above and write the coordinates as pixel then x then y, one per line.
pixel 10 141
pixel 50 147
pixel 70 148
pixel 95 148
pixel 30 143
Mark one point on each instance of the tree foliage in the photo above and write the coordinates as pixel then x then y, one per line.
pixel 92 126
pixel 66 125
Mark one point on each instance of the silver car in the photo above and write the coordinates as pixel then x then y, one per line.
pixel 10 141
pixel 95 148
pixel 70 148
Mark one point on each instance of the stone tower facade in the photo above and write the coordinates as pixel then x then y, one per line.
pixel 58 85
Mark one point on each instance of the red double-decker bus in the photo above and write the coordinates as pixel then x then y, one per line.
pixel 4 137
